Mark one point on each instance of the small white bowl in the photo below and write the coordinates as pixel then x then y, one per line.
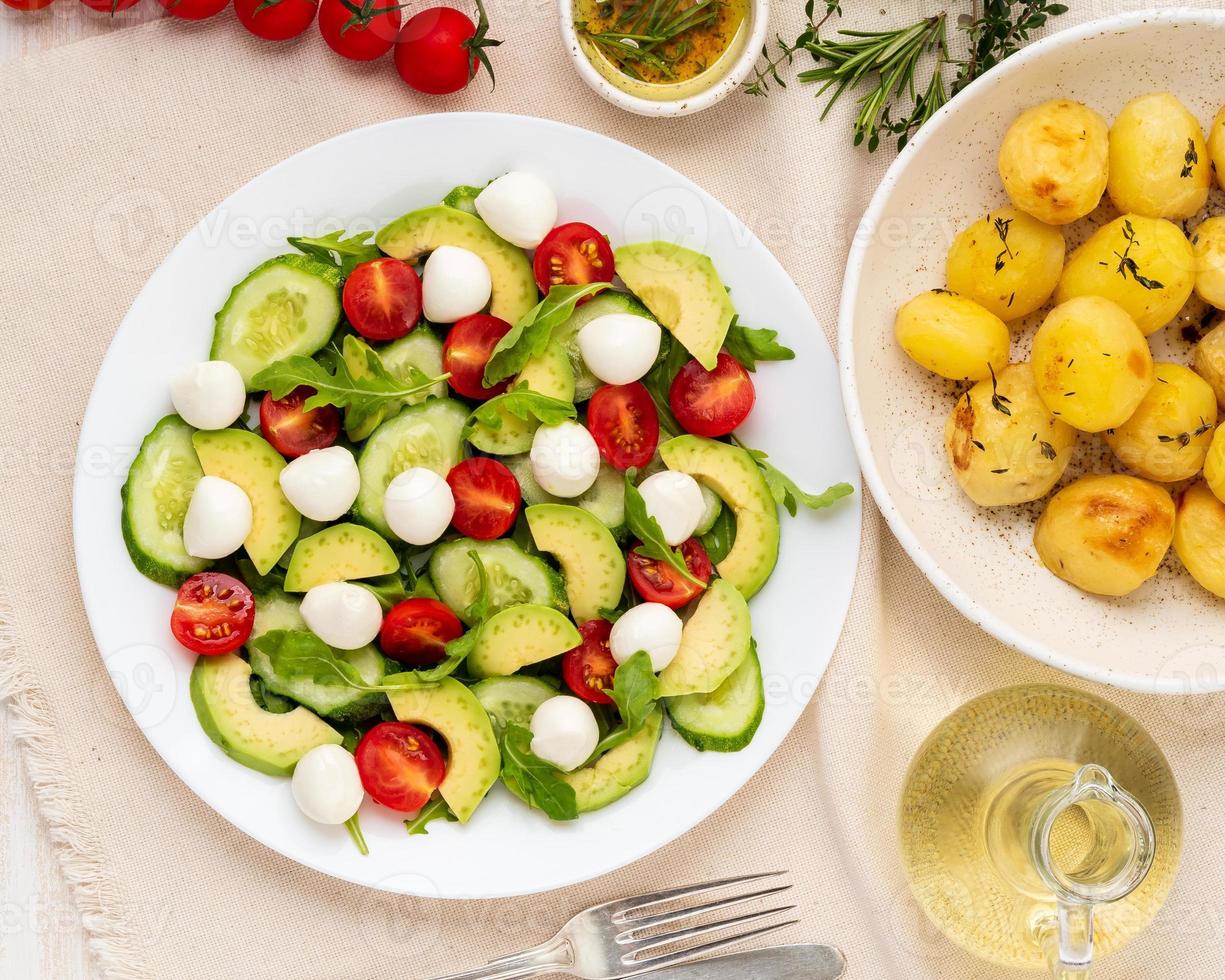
pixel 759 22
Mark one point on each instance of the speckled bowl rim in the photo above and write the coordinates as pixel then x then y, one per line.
pixel 759 14
pixel 975 611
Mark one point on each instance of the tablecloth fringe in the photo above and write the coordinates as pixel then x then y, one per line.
pixel 116 950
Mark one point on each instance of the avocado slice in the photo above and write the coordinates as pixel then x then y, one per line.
pixel 519 636
pixel 337 554
pixel 418 232
pixel 714 643
pixel 731 473
pixel 617 772
pixel 591 562
pixel 244 458
pixel 267 742
pixel 549 374
pixel 474 758
pixel 684 292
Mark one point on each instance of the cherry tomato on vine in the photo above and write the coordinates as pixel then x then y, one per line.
pixel 589 668
pixel 712 403
pixel 572 254
pixel 382 299
pixel 440 50
pixel 487 498
pixel 657 581
pixel 294 431
pixel 400 766
pixel 275 20
pixel 26 6
pixel 416 631
pixel 467 350
pixel 111 7
pixel 624 424
pixel 213 614
pixel 194 9
pixel 360 30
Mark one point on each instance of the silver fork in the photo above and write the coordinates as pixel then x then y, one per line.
pixel 619 939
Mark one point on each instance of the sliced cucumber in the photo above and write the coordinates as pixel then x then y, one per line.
pixel 463 198
pixel 419 349
pixel 512 700
pixel 155 497
pixel 727 719
pixel 566 334
pixel 288 305
pixel 712 506
pixel 605 499
pixel 275 610
pixel 421 435
pixel 515 577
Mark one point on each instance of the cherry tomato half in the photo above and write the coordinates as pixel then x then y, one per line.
pixel 382 299
pixel 467 350
pixel 194 9
pixel 213 614
pixel 657 581
pixel 400 765
pixel 111 7
pixel 360 30
pixel 27 5
pixel 712 403
pixel 417 631
pixel 572 254
pixel 275 20
pixel 432 52
pixel 589 668
pixel 294 431
pixel 487 498
pixel 624 424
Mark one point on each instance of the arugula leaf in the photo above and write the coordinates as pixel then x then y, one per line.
pixel 537 781
pixel 635 690
pixel 719 539
pixel 436 809
pixel 462 198
pixel 300 654
pixel 786 492
pixel 646 529
pixel 458 650
pixel 749 345
pixel 259 584
pixel 270 701
pixel 360 396
pixel 658 382
pixel 388 589
pixel 478 609
pixel 522 403
pixel 530 336
pixel 354 827
pixel 338 250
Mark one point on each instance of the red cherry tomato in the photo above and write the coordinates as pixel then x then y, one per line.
pixel 294 431
pixel 487 498
pixel 433 54
pixel 712 403
pixel 572 254
pixel 588 669
pixel 111 7
pixel 275 20
pixel 382 299
pixel 400 765
pixel 27 5
pixel 657 581
pixel 624 424
pixel 213 614
pixel 466 351
pixel 194 9
pixel 362 34
pixel 416 631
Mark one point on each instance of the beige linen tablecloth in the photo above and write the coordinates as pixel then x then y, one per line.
pixel 110 150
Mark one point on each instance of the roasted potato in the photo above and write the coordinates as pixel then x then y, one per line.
pixel 1145 265
pixel 1214 465
pixel 1168 436
pixel 1054 159
pixel 1091 364
pixel 1007 262
pixel 1216 147
pixel 1003 444
pixel 1159 164
pixel 1208 243
pixel 1199 537
pixel 1208 360
pixel 952 336
pixel 1106 534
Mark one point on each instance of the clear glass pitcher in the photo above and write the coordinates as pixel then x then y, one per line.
pixel 1040 826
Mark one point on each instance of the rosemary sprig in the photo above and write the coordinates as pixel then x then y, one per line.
pixel 652 33
pixel 769 70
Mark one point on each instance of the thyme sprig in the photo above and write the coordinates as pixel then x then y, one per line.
pixel 1189 160
pixel 1127 264
pixel 1002 227
pixel 769 70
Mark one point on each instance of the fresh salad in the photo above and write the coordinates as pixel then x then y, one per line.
pixel 488 521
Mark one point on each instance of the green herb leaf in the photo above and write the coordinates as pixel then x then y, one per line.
pixel 478 609
pixel 436 809
pixel 354 827
pixel 537 781
pixel 523 404
pixel 719 539
pixel 462 197
pixel 658 382
pixel 388 589
pixel 458 650
pixel 635 691
pixel 530 336
pixel 749 345
pixel 259 584
pixel 647 530
pixel 336 249
pixel 786 492
pixel 298 654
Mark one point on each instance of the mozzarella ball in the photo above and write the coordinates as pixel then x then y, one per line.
pixel 565 459
pixel 519 207
pixel 218 518
pixel 323 484
pixel 342 615
pixel 326 784
pixel 418 506
pixel 619 348
pixel 652 627
pixel 454 284
pixel 564 732
pixel 209 395
pixel 675 501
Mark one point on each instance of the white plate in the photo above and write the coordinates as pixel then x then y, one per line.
pixel 1165 637
pixel 406 164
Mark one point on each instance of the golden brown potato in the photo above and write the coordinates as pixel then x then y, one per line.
pixel 1145 265
pixel 1106 534
pixel 1216 147
pixel 1208 242
pixel 952 336
pixel 1199 537
pixel 1209 360
pixel 1008 262
pixel 1003 445
pixel 1158 159
pixel 1214 464
pixel 1054 160
pixel 1091 363
pixel 1168 436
